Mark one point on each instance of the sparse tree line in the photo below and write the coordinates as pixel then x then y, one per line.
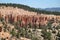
pixel 29 8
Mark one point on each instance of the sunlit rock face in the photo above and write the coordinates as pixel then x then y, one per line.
pixel 16 14
pixel 15 11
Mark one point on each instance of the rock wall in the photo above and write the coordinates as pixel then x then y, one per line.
pixel 16 14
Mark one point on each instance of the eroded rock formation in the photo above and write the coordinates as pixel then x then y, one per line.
pixel 15 14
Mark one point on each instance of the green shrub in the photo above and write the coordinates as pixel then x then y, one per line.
pixel 46 35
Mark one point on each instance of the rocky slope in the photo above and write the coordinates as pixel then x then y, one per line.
pixel 18 24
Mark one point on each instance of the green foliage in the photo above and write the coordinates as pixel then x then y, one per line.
pixel 18 35
pixel 1 18
pixel 50 22
pixel 46 35
pixel 5 28
pixel 22 32
pixel 30 25
pixel 3 39
pixel 13 32
pixel 58 35
pixel 34 38
pixel 58 27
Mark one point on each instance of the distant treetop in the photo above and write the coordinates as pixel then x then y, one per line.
pixel 25 7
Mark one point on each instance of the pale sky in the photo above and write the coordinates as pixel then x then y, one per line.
pixel 35 3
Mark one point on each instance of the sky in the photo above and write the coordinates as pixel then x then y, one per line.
pixel 35 3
